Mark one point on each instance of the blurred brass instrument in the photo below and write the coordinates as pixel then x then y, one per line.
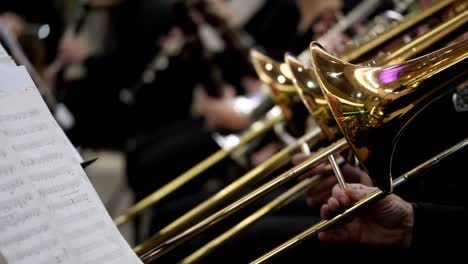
pixel 379 103
pixel 231 145
pixel 157 246
pixel 278 78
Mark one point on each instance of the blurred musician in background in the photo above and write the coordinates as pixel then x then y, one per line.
pixel 36 25
pixel 137 95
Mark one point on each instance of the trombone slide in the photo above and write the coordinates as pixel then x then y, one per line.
pixel 196 214
pixel 370 198
pixel 274 205
pixel 353 54
pixel 155 252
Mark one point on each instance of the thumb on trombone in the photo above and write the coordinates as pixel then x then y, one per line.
pixel 387 222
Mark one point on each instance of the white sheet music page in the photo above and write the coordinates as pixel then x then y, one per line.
pixel 49 211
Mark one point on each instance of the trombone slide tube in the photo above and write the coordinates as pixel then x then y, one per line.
pixel 257 129
pixel 425 41
pixel 266 188
pixel 204 209
pixel 276 204
pixel 337 171
pixel 370 198
pixel 170 187
pixel 353 54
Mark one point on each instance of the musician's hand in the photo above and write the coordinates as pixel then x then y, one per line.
pixel 251 85
pixel 318 194
pixel 73 49
pixel 219 112
pixel 387 222
pixel 264 153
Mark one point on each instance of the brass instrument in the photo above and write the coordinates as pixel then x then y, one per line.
pixel 356 52
pixel 373 106
pixel 339 145
pixel 309 90
pixel 281 87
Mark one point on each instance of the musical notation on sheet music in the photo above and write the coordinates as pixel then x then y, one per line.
pixel 49 211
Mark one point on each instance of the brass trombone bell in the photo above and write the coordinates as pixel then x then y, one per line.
pixel 278 77
pixel 272 72
pixel 310 93
pixel 374 105
pixel 311 96
pixel 303 78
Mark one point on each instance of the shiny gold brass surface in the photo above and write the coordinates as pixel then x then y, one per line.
pixel 370 198
pixel 278 77
pixel 356 52
pixel 222 197
pixel 373 105
pixel 273 73
pixel 276 204
pixel 153 253
pixel 256 129
pixel 304 79
pixel 311 96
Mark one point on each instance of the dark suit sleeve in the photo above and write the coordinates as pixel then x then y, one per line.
pixel 437 226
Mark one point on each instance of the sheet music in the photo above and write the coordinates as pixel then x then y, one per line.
pixel 49 211
pixel 17 78
pixel 13 78
pixel 3 52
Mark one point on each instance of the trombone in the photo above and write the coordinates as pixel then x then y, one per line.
pixel 384 110
pixel 164 247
